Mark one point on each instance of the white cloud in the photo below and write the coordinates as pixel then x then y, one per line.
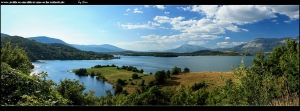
pixel 136 10
pixel 245 30
pixel 161 39
pixel 197 42
pixel 149 25
pixel 125 14
pixel 288 21
pixel 167 12
pixel 146 6
pixel 229 44
pixel 232 28
pixel 292 11
pixel 227 38
pixel 274 20
pixel 208 10
pixel 142 45
pixel 163 27
pixel 160 7
pixel 128 10
pixel 184 8
pixel 177 46
pixel 243 14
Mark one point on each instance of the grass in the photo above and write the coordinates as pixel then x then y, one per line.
pixel 212 79
pixel 112 74
pixel 288 100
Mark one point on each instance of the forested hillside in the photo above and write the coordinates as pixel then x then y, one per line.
pixel 40 51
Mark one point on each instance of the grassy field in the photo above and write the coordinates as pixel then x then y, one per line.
pixel 212 79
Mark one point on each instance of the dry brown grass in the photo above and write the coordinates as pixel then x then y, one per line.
pixel 212 79
pixel 288 100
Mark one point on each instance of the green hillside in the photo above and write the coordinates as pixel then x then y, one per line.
pixel 40 51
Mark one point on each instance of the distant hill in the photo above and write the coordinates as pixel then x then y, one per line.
pixel 94 48
pixel 217 53
pixel 4 35
pixel 187 48
pixel 47 40
pixel 54 51
pixel 98 48
pixel 262 45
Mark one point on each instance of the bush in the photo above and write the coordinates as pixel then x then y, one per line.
pixel 131 83
pixel 142 83
pixel 160 77
pixel 176 70
pixel 121 82
pixel 135 76
pixel 168 73
pixel 93 74
pixel 81 71
pixel 152 83
pixel 142 71
pixel 186 70
pixel 97 66
pixel 118 89
pixel 197 86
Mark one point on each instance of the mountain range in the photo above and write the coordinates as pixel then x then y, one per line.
pixel 258 44
pixel 94 48
pixel 187 48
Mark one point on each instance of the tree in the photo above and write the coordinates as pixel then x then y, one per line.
pixel 176 70
pixel 16 58
pixel 135 76
pixel 93 74
pixel 81 71
pixel 168 73
pixel 118 89
pixel 160 77
pixel 186 70
pixel 72 90
pixel 142 71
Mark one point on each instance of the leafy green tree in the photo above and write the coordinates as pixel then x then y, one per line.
pixel 142 71
pixel 160 77
pixel 118 88
pixel 121 82
pixel 135 76
pixel 176 70
pixel 93 74
pixel 186 70
pixel 81 71
pixel 16 58
pixel 72 90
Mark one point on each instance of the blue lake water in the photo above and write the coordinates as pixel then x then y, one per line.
pixel 58 69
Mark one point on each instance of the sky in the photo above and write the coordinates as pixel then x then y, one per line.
pixel 152 27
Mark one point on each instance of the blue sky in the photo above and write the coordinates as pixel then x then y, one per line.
pixel 152 27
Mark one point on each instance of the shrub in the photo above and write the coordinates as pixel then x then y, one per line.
pixel 186 70
pixel 197 86
pixel 121 82
pixel 135 76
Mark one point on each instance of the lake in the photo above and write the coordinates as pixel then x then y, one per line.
pixel 58 69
